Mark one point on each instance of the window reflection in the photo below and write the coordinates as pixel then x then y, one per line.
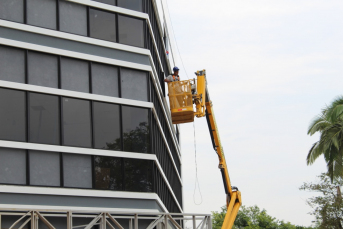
pixel 108 173
pixel 44 119
pixel 135 129
pixel 107 126
pixel 76 122
pixel 138 175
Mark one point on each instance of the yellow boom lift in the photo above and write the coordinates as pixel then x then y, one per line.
pixel 182 96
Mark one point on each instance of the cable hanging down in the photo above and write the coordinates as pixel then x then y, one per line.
pixel 196 171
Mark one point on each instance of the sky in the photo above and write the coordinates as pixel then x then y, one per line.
pixel 272 65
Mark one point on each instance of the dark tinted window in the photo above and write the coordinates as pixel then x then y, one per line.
pixel 73 18
pixel 42 13
pixel 105 80
pixel 43 69
pixel 138 175
pixel 107 126
pixel 12 10
pixel 76 122
pixel 108 173
pixel 77 171
pixel 44 168
pixel 134 84
pixel 135 129
pixel 131 31
pixel 44 119
pixel 75 75
pixel 102 25
pixel 131 4
pixel 111 2
pixel 12 166
pixel 12 115
pixel 12 64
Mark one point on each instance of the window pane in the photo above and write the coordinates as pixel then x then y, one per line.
pixel 43 69
pixel 108 173
pixel 76 122
pixel 42 13
pixel 12 64
pixel 12 10
pixel 77 171
pixel 44 168
pixel 105 80
pixel 12 166
pixel 134 84
pixel 75 75
pixel 111 2
pixel 131 4
pixel 107 126
pixel 12 115
pixel 102 25
pixel 138 175
pixel 136 129
pixel 44 119
pixel 73 18
pixel 131 31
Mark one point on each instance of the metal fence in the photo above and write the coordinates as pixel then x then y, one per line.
pixel 34 219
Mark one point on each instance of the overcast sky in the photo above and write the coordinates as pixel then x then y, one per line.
pixel 272 65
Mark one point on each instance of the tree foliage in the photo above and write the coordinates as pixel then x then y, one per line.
pixel 327 207
pixel 252 218
pixel 329 124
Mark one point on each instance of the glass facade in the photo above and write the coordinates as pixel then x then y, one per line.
pixel 76 127
pixel 98 123
pixel 12 115
pixel 44 119
pixel 107 134
pixel 42 69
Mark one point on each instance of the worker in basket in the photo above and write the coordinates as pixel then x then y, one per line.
pixel 174 77
pixel 177 100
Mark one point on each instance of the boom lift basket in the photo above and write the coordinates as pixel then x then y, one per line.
pixel 181 104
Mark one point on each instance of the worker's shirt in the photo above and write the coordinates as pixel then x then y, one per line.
pixel 173 78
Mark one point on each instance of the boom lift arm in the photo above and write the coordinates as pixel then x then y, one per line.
pixel 179 93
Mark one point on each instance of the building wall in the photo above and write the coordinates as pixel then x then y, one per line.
pixel 82 104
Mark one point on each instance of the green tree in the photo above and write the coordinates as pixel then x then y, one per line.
pixel 328 207
pixel 252 218
pixel 329 124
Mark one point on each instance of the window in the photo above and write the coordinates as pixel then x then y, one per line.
pixel 134 84
pixel 135 129
pixel 42 13
pixel 131 31
pixel 138 175
pixel 102 25
pixel 44 119
pixel 111 2
pixel 75 75
pixel 77 171
pixel 44 168
pixel 43 69
pixel 12 115
pixel 108 173
pixel 76 122
pixel 12 166
pixel 12 64
pixel 12 10
pixel 73 18
pixel 107 126
pixel 131 4
pixel 105 80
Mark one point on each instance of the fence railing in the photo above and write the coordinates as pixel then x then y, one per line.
pixel 53 219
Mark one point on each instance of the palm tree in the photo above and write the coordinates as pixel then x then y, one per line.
pixel 329 124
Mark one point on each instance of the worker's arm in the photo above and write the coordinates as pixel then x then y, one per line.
pixel 166 80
